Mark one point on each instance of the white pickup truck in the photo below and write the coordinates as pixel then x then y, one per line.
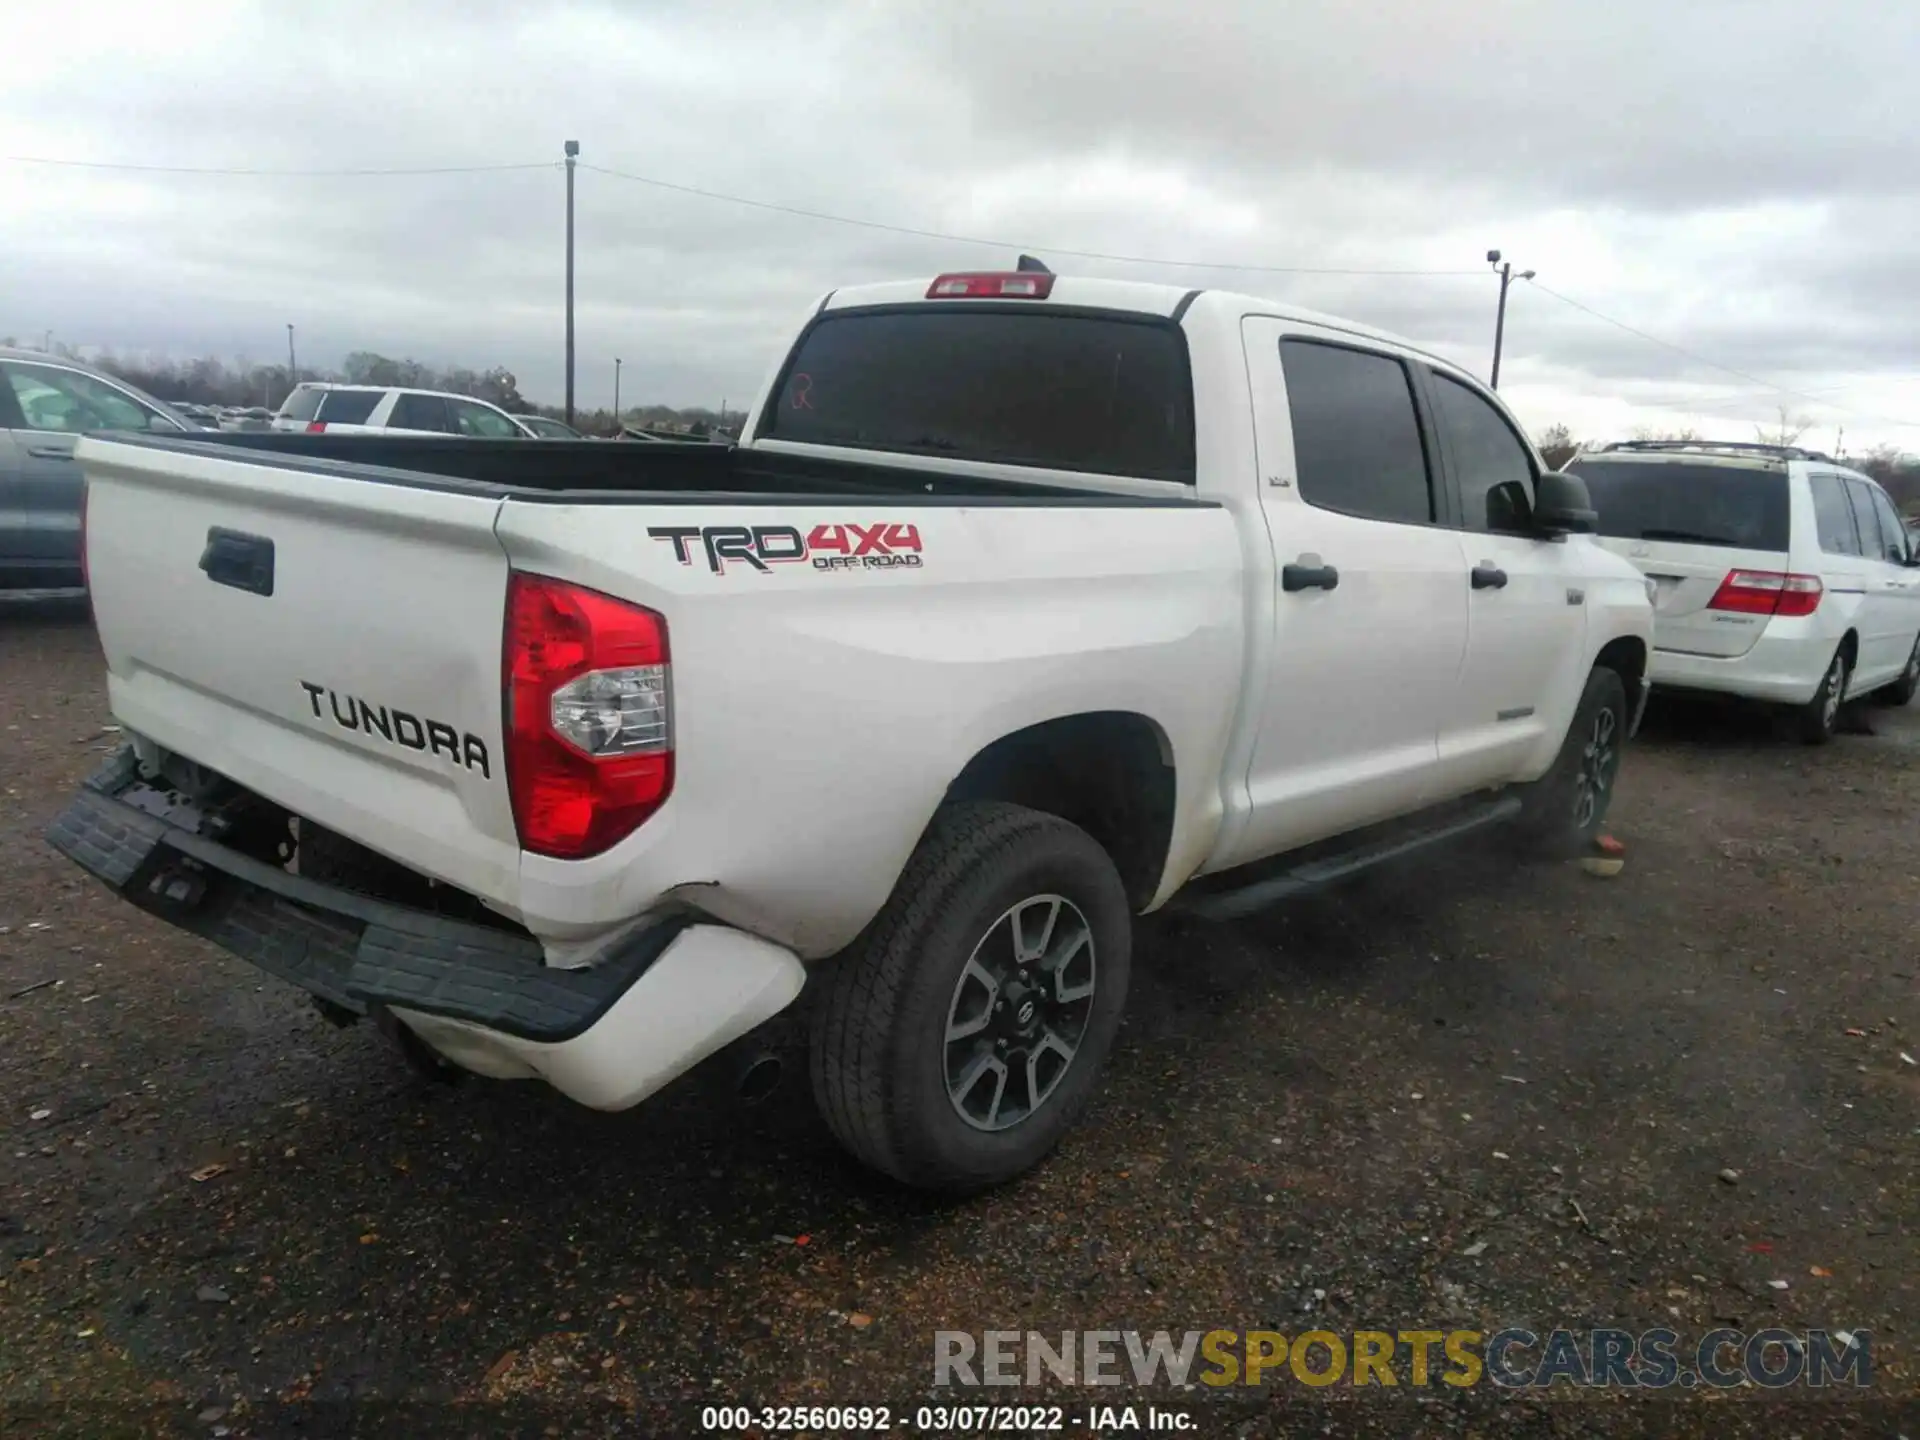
pixel 1026 604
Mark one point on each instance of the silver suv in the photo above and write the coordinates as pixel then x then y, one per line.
pixel 46 404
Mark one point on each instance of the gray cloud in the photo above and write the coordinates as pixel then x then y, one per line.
pixel 1739 179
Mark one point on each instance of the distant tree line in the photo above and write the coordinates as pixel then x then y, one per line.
pixel 212 381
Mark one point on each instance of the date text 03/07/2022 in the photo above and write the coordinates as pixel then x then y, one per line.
pixel 948 1419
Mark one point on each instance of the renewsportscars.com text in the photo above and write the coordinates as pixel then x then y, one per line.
pixel 1514 1358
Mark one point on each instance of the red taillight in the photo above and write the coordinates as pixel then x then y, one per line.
pixel 1767 592
pixel 998 285
pixel 589 735
pixel 316 427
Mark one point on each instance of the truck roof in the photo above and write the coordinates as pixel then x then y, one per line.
pixel 1139 296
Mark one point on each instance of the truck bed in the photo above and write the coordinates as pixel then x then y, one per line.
pixel 838 628
pixel 589 471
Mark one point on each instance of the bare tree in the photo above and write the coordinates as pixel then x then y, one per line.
pixel 1557 445
pixel 1685 435
pixel 1788 432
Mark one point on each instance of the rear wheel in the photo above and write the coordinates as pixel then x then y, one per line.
pixel 1817 720
pixel 1563 811
pixel 1904 689
pixel 962 1034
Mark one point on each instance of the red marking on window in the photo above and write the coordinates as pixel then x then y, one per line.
pixel 802 390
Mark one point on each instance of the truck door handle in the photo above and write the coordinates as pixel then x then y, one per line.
pixel 1489 577
pixel 242 561
pixel 49 452
pixel 1308 577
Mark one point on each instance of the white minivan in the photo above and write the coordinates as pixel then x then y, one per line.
pixel 1780 574
pixel 319 407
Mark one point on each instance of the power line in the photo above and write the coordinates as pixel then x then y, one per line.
pixel 998 244
pixel 1699 359
pixel 948 237
pixel 241 170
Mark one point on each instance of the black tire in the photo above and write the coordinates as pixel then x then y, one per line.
pixel 1563 811
pixel 882 1055
pixel 1816 721
pixel 1901 691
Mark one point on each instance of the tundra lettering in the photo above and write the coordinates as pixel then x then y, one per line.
pixel 397 727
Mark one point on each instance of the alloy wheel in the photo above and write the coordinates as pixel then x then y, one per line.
pixel 1599 762
pixel 1019 1012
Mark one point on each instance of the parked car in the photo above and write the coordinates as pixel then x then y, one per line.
pixel 248 418
pixel 46 405
pixel 203 416
pixel 546 428
pixel 1782 575
pixel 318 408
pixel 1029 603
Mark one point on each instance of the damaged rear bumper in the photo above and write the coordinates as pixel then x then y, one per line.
pixel 483 996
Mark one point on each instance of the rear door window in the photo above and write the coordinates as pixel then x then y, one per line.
pixel 1688 503
pixel 1833 516
pixel 348 407
pixel 1860 497
pixel 1098 394
pixel 420 412
pixel 1893 530
pixel 1356 435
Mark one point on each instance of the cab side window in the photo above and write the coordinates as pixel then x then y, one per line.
pixel 1356 435
pixel 1494 469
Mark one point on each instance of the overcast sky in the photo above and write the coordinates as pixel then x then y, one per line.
pixel 1741 180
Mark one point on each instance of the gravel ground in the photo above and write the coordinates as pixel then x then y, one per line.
pixel 1311 1120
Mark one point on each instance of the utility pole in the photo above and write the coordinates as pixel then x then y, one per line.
pixel 616 392
pixel 1505 272
pixel 572 150
pixel 293 370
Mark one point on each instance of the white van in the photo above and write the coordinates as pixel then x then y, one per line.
pixel 1781 575
pixel 326 408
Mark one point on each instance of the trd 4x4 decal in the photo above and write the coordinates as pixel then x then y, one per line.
pixel 882 546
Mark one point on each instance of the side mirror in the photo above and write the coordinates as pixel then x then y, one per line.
pixel 1562 506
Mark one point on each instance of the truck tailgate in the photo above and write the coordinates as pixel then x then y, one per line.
pixel 332 643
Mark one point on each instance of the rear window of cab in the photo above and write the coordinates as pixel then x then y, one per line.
pixel 1099 394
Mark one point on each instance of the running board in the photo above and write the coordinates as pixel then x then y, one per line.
pixel 1327 869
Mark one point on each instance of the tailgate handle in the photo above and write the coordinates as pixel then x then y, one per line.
pixel 243 561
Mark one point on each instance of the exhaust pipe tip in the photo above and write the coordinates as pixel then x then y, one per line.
pixel 421 1057
pixel 758 1077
